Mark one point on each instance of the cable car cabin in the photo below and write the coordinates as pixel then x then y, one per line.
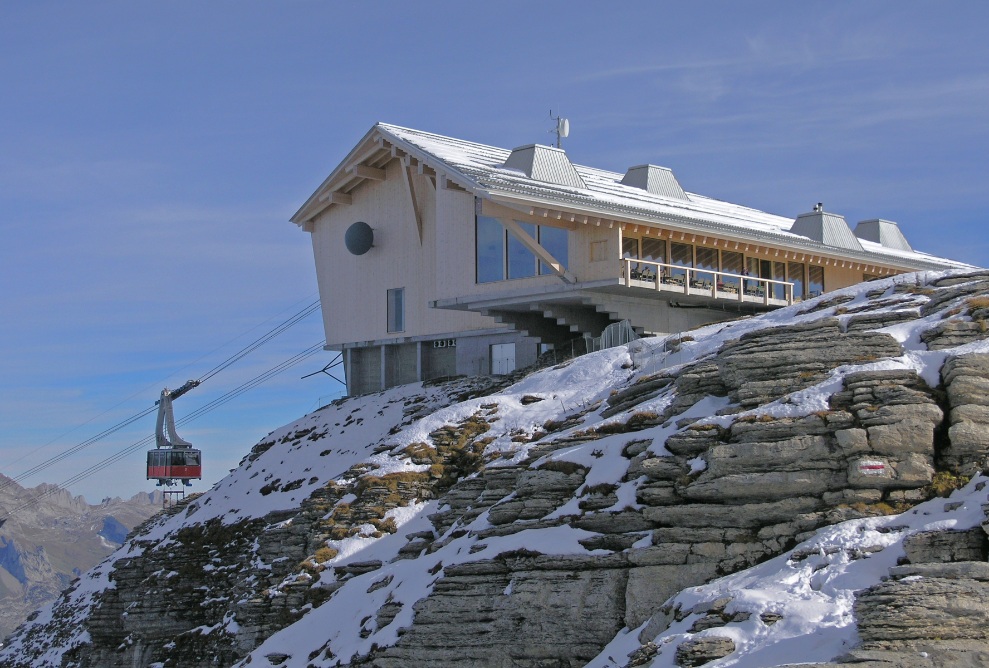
pixel 170 464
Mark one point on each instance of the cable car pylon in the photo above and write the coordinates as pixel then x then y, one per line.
pixel 174 458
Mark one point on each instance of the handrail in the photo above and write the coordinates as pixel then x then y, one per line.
pixel 706 282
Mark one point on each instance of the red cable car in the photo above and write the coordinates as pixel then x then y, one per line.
pixel 173 458
pixel 169 464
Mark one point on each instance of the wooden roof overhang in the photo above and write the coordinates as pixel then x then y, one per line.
pixel 367 162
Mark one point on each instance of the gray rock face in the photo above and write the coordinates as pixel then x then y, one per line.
pixel 522 613
pixel 966 381
pixel 703 650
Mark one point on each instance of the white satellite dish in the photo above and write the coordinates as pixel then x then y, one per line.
pixel 563 127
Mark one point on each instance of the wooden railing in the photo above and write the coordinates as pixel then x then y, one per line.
pixel 706 283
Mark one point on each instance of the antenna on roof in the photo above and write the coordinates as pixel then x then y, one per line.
pixel 562 128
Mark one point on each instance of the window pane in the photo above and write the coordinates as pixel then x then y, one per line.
pixel 630 247
pixel 796 275
pixel 521 261
pixel 682 255
pixel 707 258
pixel 556 241
pixel 752 287
pixel 815 281
pixel 731 263
pixel 654 249
pixel 490 250
pixel 779 274
pixel 396 310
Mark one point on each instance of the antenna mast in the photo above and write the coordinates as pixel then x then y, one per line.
pixel 562 128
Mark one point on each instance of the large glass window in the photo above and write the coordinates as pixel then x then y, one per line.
pixel 815 281
pixel 556 241
pixel 521 261
pixel 396 310
pixel 500 255
pixel 490 250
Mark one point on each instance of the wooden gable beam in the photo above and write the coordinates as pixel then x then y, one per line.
pixel 416 210
pixel 336 198
pixel 366 172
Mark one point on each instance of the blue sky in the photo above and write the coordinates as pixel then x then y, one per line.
pixel 152 153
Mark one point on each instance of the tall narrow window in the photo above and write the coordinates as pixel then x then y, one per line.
pixel 815 281
pixel 490 260
pixel 396 310
pixel 779 274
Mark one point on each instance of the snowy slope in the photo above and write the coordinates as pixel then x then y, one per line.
pixel 372 436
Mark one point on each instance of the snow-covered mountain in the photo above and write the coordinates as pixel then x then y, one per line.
pixel 753 493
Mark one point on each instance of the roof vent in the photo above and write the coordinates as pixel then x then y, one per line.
pixel 884 232
pixel 545 163
pixel 829 229
pixel 657 180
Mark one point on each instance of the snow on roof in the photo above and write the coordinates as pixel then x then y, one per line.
pixel 605 193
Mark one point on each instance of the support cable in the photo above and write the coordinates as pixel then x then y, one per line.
pixel 240 354
pixel 144 442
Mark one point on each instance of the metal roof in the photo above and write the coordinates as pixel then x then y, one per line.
pixel 654 179
pixel 829 229
pixel 884 232
pixel 545 163
pixel 482 169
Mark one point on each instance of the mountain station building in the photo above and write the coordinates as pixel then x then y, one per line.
pixel 437 256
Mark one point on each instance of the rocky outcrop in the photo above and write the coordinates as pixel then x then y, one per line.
pixel 966 382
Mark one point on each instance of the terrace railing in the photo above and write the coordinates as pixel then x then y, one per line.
pixel 706 283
